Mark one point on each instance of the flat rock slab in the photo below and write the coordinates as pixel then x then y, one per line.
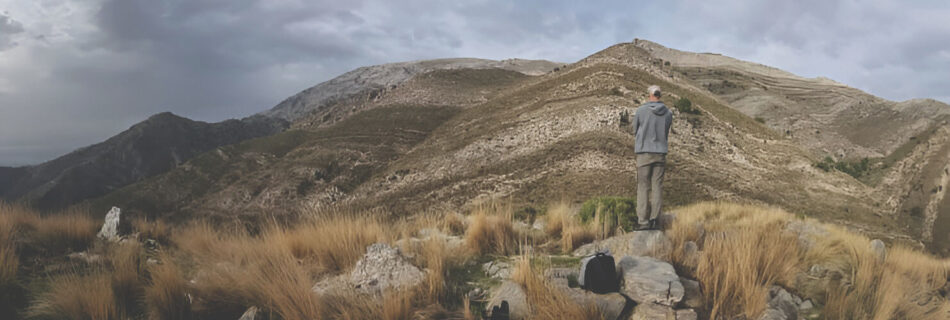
pixel 651 243
pixel 648 280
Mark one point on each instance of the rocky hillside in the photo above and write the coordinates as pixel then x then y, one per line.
pixel 447 139
pixel 370 82
pixel 151 147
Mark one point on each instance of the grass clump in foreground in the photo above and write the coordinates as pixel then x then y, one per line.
pixel 746 249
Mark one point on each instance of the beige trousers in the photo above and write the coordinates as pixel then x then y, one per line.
pixel 650 167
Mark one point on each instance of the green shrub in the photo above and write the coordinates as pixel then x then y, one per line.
pixel 854 169
pixel 685 106
pixel 615 210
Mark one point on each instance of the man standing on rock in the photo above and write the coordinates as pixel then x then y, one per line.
pixel 651 124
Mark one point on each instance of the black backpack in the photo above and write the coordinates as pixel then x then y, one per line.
pixel 599 274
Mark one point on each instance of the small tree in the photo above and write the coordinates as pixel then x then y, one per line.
pixel 685 106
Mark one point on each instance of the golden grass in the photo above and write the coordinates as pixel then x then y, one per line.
pixel 66 231
pixel 156 230
pixel 166 296
pixel 546 301
pixel 332 243
pixel 79 297
pixel 491 232
pixel 127 276
pixel 9 261
pixel 745 249
pixel 561 221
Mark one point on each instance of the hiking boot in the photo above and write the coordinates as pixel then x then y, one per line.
pixel 644 227
pixel 654 224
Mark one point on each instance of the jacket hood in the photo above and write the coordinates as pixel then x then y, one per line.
pixel 658 108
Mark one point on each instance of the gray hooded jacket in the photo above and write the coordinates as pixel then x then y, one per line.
pixel 651 124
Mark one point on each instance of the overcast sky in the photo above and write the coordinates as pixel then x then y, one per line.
pixel 73 73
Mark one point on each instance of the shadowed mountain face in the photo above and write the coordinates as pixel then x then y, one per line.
pixel 146 149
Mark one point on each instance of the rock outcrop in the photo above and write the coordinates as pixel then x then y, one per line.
pixel 112 227
pixel 384 267
pixel 647 280
pixel 652 243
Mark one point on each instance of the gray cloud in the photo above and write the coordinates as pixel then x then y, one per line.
pixel 74 72
pixel 8 28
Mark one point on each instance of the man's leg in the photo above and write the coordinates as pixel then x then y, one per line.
pixel 656 189
pixel 643 191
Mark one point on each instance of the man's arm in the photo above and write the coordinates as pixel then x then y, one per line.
pixel 635 123
pixel 669 123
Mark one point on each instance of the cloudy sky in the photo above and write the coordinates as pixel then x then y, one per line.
pixel 73 73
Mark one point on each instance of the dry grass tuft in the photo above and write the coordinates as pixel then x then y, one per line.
pixel 491 232
pixel 166 296
pixel 738 268
pixel 744 249
pixel 546 301
pixel 333 243
pixel 79 297
pixel 127 277
pixel 561 221
pixel 156 230
pixel 65 232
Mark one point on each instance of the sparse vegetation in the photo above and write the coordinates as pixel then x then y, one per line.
pixel 855 169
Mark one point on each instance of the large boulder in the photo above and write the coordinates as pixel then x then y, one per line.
pixel 115 226
pixel 648 280
pixel 782 305
pixel 652 243
pixel 517 300
pixel 384 267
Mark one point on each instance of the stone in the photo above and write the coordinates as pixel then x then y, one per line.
pixel 86 257
pixel 692 294
pixel 610 305
pixel 648 280
pixel 781 305
pixel 691 253
pixel 807 232
pixel 384 267
pixel 665 220
pixel 652 243
pixel 879 249
pixel 686 314
pixel 114 226
pixel 497 269
pixel 250 314
pixel 539 224
pixel 806 305
pixel 652 311
pixel 517 300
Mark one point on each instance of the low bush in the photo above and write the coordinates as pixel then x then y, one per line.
pixel 614 212
pixel 685 106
